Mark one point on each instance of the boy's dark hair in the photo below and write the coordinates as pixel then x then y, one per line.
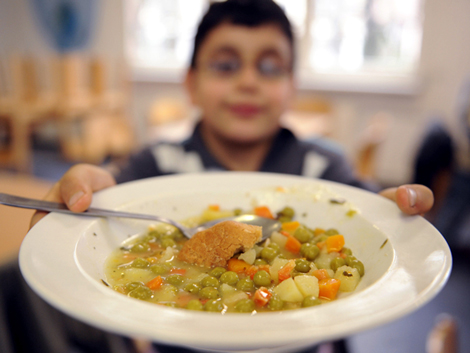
pixel 250 13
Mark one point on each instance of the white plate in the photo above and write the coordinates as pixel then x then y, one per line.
pixel 62 260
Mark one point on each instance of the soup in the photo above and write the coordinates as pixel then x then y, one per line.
pixel 299 266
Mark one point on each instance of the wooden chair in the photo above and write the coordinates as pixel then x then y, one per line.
pixel 92 118
pixel 25 105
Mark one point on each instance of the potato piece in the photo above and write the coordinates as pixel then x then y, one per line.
pixel 279 239
pixel 234 297
pixel 307 285
pixel 137 275
pixel 226 289
pixel 276 265
pixel 349 277
pixel 248 256
pixel 288 291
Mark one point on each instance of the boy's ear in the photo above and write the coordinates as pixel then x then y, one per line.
pixel 190 85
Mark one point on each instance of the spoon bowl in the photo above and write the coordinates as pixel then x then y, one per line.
pixel 268 225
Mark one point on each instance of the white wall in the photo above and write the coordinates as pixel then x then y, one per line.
pixel 445 62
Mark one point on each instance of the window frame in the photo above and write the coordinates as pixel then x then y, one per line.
pixel 307 79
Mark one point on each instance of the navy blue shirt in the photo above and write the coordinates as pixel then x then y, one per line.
pixel 316 158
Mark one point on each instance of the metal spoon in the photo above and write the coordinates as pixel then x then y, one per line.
pixel 268 225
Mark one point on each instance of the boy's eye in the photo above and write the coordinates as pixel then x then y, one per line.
pixel 225 66
pixel 270 67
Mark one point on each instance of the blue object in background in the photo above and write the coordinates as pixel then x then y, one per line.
pixel 67 24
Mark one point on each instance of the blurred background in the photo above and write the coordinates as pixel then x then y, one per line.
pixel 93 80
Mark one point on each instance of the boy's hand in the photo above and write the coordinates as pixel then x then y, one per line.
pixel 412 199
pixel 76 188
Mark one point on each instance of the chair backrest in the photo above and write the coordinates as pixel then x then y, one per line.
pixel 70 79
pixel 25 80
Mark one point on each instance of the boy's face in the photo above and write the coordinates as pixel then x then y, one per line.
pixel 243 82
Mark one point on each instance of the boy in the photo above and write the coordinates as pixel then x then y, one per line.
pixel 241 77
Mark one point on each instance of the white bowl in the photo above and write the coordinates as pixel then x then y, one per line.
pixel 407 261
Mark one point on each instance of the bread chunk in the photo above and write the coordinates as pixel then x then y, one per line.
pixel 216 245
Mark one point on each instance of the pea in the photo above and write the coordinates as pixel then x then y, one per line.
pixel 287 212
pixel 142 293
pixel 214 306
pixel 259 262
pixel 133 285
pixel 268 254
pixel 284 219
pixel 149 238
pixel 311 252
pixel 304 247
pixel 331 231
pixel 140 247
pixel 175 279
pixel 303 235
pixel 210 281
pixel 275 303
pixel 192 288
pixel 209 293
pixel 168 242
pixel 169 289
pixel 346 251
pixel 262 278
pixel 245 306
pixel 336 263
pixel 310 301
pixel 302 265
pixel 245 284
pixel 320 238
pixel 275 247
pixel 194 304
pixel 140 263
pixel 177 235
pixel 160 269
pixel 355 263
pixel 237 212
pixel 217 272
pixel 229 277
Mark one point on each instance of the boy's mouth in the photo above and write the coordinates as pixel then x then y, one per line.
pixel 245 110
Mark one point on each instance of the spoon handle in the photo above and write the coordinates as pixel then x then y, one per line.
pixel 23 202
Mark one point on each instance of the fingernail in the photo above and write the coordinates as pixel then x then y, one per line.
pixel 412 196
pixel 75 197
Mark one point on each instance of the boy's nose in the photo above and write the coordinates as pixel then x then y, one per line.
pixel 248 78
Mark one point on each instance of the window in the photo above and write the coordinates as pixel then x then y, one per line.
pixel 341 43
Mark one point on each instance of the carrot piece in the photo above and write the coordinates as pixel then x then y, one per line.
pixel 318 231
pixel 214 207
pixel 178 271
pixel 290 226
pixel 263 211
pixel 236 265
pixel 328 288
pixel 321 274
pixel 251 271
pixel 155 283
pixel 293 245
pixel 262 296
pixel 263 267
pixel 284 233
pixel 334 243
pixel 320 244
pixel 184 299
pixel 286 271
